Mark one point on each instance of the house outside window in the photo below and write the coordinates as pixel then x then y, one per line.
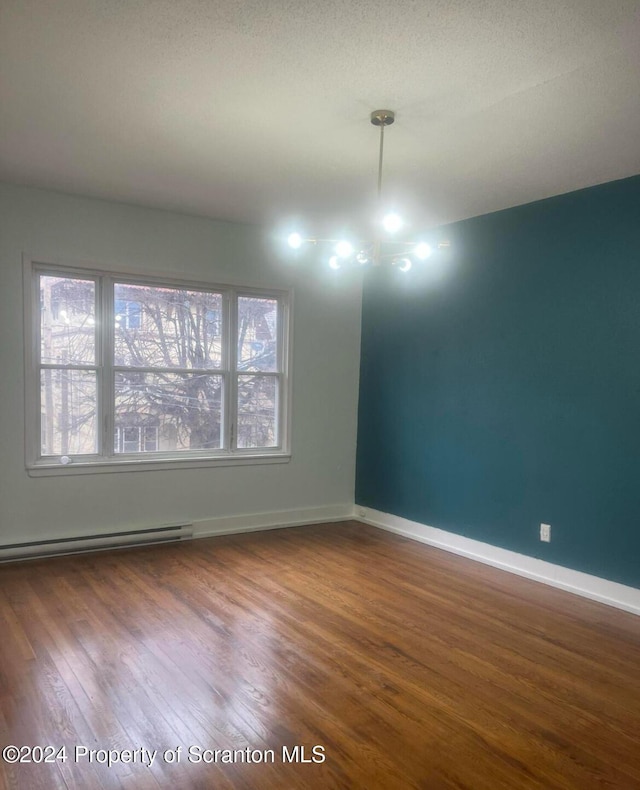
pixel 130 370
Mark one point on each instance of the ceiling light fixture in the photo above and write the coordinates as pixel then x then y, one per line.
pixel 385 247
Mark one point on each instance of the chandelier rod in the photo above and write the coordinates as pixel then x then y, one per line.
pixel 380 162
pixel 381 118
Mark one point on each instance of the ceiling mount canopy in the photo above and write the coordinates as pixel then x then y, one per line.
pixel 384 247
pixel 383 117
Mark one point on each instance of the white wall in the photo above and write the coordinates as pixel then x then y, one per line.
pixel 326 347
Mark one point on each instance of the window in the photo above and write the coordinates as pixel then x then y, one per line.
pixel 136 371
pixel 127 314
pixel 136 439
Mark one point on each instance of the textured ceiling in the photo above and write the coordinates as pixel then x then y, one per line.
pixel 256 110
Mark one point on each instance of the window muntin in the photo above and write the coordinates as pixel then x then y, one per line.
pixel 138 368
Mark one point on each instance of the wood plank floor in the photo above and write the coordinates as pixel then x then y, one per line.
pixel 411 667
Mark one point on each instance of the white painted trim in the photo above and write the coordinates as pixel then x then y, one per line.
pixel 597 589
pixel 43 469
pixel 230 525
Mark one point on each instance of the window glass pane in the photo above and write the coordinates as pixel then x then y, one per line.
pixel 68 412
pixel 150 435
pixel 166 327
pixel 67 321
pixel 167 412
pixel 131 440
pixel 257 333
pixel 257 411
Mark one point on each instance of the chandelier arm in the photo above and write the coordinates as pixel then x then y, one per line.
pixel 358 242
pixel 389 256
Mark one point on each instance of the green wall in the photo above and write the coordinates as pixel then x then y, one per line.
pixel 500 388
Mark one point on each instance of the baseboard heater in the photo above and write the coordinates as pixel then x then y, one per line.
pixel 170 533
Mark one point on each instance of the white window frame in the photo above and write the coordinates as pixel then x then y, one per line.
pixel 229 455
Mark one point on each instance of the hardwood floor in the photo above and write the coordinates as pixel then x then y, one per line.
pixel 411 667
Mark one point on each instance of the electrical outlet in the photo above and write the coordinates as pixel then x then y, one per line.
pixel 362 512
pixel 545 533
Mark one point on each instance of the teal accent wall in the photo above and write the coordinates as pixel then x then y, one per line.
pixel 500 387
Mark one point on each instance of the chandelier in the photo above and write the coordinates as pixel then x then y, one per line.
pixel 385 247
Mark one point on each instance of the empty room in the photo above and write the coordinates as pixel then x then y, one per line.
pixel 320 408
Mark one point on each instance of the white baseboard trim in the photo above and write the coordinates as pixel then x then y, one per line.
pixel 611 593
pixel 229 525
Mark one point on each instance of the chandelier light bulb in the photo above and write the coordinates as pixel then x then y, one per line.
pixel 422 251
pixel 392 222
pixel 344 249
pixel 294 240
pixel 404 264
pixel 334 262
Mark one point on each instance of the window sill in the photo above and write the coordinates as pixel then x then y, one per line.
pixel 147 465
